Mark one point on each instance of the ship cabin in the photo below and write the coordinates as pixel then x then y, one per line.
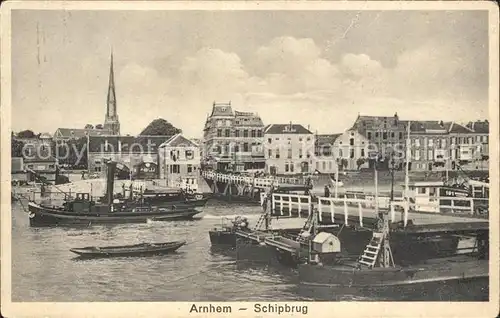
pixel 81 202
pixel 437 197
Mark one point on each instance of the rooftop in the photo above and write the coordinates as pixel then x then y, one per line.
pixel 286 129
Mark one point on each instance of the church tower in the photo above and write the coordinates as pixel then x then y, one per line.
pixel 111 121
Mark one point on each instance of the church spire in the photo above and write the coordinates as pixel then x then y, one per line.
pixel 111 103
pixel 111 121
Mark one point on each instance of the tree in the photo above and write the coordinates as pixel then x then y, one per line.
pixel 73 153
pixel 89 126
pixel 160 127
pixel 16 147
pixel 26 134
pixel 360 162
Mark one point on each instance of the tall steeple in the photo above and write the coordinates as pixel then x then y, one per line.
pixel 111 121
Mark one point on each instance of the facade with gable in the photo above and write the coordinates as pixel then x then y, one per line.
pixel 132 152
pixel 324 153
pixel 289 149
pixel 385 135
pixel 233 140
pixel 179 157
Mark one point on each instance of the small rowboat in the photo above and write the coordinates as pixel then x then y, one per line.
pixel 142 249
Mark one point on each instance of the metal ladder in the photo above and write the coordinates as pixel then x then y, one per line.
pixel 370 254
pixel 307 226
pixel 261 220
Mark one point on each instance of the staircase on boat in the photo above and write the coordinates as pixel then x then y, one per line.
pixel 371 252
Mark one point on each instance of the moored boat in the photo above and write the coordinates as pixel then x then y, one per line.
pixel 113 209
pixel 142 249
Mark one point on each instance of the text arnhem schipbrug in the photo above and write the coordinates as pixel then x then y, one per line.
pixel 257 308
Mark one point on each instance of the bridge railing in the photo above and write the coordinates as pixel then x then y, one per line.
pixel 329 205
pixel 255 181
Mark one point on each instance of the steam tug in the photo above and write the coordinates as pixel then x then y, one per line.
pixel 137 207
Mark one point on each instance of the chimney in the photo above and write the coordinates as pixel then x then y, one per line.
pixel 110 180
pixel 441 124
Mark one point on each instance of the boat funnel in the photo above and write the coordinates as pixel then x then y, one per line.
pixel 110 181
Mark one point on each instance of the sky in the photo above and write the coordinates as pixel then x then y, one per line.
pixel 317 68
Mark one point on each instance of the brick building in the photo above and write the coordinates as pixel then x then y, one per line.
pixel 232 139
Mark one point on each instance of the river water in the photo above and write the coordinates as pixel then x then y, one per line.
pixel 43 268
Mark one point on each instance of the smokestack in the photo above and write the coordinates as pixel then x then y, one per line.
pixel 110 181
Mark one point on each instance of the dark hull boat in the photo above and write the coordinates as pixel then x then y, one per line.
pixel 143 249
pixel 115 209
pixel 434 277
pixel 41 216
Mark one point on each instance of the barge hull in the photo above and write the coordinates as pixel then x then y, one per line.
pixel 43 217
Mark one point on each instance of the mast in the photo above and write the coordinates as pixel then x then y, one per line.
pixel 407 177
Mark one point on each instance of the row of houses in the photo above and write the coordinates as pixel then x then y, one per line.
pixel 239 141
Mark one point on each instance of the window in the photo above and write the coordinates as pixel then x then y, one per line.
pixel 227 133
pixel 226 148
pixel 417 142
pixel 443 143
pixel 269 153
pixel 324 165
pixel 340 153
pixel 189 168
pixel 392 135
pixel 431 142
pixel 97 169
pixel 259 133
pixel 421 190
pixel 362 152
pixel 452 140
pixel 384 135
pixel 300 153
pixel 429 155
pixel 253 134
pixel 245 147
pixel 300 138
pixel 228 123
pixel 286 167
pixel 352 153
pixel 291 167
pixel 236 148
pixel 245 133
pixel 369 135
pixel 52 166
pixel 219 132
pixel 175 169
pixel 219 123
pixel 351 141
pixel 432 191
pixel 189 154
pixel 289 155
pixel 277 153
pixel 376 134
pixel 236 133
pixel 308 138
pixel 400 135
pixel 330 165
